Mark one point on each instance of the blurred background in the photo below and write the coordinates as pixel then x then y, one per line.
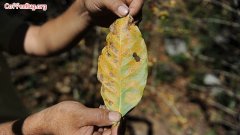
pixel 194 68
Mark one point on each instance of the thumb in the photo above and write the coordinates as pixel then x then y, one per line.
pixel 101 117
pixel 117 7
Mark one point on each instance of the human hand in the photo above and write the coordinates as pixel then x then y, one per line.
pixel 72 118
pixel 104 12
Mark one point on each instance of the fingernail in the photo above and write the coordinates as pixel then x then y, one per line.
pixel 114 116
pixel 123 10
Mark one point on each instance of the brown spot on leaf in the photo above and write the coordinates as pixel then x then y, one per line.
pixel 109 88
pixel 136 57
pixel 109 101
pixel 108 84
pixel 108 54
pixel 113 48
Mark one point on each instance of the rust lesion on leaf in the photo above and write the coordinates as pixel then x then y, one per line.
pixel 113 48
pixel 108 54
pixel 109 101
pixel 108 84
pixel 136 57
pixel 107 89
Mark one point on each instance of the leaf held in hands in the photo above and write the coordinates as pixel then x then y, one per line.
pixel 122 66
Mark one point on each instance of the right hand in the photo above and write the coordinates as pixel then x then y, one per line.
pixel 71 118
pixel 104 12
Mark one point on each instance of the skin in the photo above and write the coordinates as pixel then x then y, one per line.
pixel 67 118
pixel 58 35
pixel 63 32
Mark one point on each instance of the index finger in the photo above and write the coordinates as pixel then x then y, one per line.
pixel 135 7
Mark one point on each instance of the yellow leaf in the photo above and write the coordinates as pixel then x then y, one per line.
pixel 122 66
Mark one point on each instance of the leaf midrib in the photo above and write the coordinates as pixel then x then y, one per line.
pixel 120 69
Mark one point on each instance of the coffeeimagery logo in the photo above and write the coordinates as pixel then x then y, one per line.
pixel 25 6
